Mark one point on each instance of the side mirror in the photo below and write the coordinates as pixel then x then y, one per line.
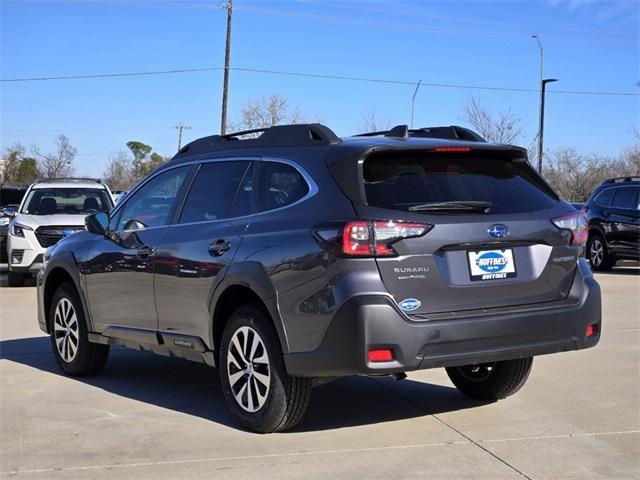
pixel 10 212
pixel 97 223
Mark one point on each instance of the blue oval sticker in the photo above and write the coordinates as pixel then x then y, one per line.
pixel 410 304
pixel 491 262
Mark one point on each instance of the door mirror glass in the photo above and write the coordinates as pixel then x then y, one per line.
pixel 97 223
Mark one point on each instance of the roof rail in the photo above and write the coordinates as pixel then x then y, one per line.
pixel 68 179
pixel 622 179
pixel 452 132
pixel 303 134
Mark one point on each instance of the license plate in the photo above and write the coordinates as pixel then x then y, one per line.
pixel 491 264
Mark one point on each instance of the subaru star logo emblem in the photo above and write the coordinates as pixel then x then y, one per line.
pixel 67 231
pixel 498 231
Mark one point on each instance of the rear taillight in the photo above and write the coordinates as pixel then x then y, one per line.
pixel 374 238
pixel 576 223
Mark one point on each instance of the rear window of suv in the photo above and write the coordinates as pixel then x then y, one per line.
pixel 400 181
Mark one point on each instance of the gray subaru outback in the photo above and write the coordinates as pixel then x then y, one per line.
pixel 287 256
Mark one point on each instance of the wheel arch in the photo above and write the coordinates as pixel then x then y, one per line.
pixel 244 283
pixel 56 276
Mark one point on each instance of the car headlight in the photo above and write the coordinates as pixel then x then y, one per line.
pixel 4 221
pixel 17 230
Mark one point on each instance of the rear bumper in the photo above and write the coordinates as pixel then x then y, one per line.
pixel 373 321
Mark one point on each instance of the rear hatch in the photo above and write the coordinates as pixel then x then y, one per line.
pixel 490 240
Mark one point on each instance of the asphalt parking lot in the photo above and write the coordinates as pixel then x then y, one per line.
pixel 147 416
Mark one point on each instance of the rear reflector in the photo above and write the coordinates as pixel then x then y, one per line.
pixel 380 355
pixel 452 149
pixel 593 330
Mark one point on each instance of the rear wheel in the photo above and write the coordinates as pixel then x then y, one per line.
pixel 15 279
pixel 491 381
pixel 74 353
pixel 599 256
pixel 256 386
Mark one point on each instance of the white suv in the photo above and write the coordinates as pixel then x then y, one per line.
pixel 50 210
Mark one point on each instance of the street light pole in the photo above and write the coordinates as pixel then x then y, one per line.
pixel 541 114
pixel 543 86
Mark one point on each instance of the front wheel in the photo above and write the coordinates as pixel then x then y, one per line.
pixel 74 353
pixel 256 386
pixel 491 381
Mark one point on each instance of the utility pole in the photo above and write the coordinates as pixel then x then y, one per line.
pixel 543 86
pixel 227 54
pixel 413 100
pixel 180 127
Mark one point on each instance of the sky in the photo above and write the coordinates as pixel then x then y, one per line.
pixel 589 45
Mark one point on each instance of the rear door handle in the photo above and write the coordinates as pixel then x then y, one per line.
pixel 218 247
pixel 145 252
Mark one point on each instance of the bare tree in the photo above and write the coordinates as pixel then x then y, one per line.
pixel 372 122
pixel 266 112
pixel 574 175
pixel 58 163
pixel 505 128
pixel 118 174
pixel 11 160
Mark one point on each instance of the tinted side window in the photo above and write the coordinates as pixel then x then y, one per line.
pixel 280 185
pixel 624 198
pixel 213 191
pixel 244 201
pixel 153 202
pixel 604 198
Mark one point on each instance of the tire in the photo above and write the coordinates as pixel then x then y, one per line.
pixel 68 329
pixel 491 381
pixel 274 401
pixel 599 257
pixel 15 279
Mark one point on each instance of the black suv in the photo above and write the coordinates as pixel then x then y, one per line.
pixel 298 255
pixel 614 222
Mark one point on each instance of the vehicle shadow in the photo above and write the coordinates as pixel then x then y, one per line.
pixel 626 270
pixel 194 389
pixel 4 281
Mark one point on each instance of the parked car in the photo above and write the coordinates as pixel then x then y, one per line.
pixel 299 255
pixel 50 210
pixel 119 195
pixel 10 197
pixel 614 222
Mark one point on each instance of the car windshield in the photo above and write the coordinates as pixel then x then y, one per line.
pixel 66 201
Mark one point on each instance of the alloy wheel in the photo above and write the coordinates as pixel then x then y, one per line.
pixel 248 369
pixel 66 330
pixel 596 252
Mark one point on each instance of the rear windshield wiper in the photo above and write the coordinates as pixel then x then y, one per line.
pixel 458 206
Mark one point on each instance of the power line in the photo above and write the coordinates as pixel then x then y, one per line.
pixel 111 75
pixel 322 76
